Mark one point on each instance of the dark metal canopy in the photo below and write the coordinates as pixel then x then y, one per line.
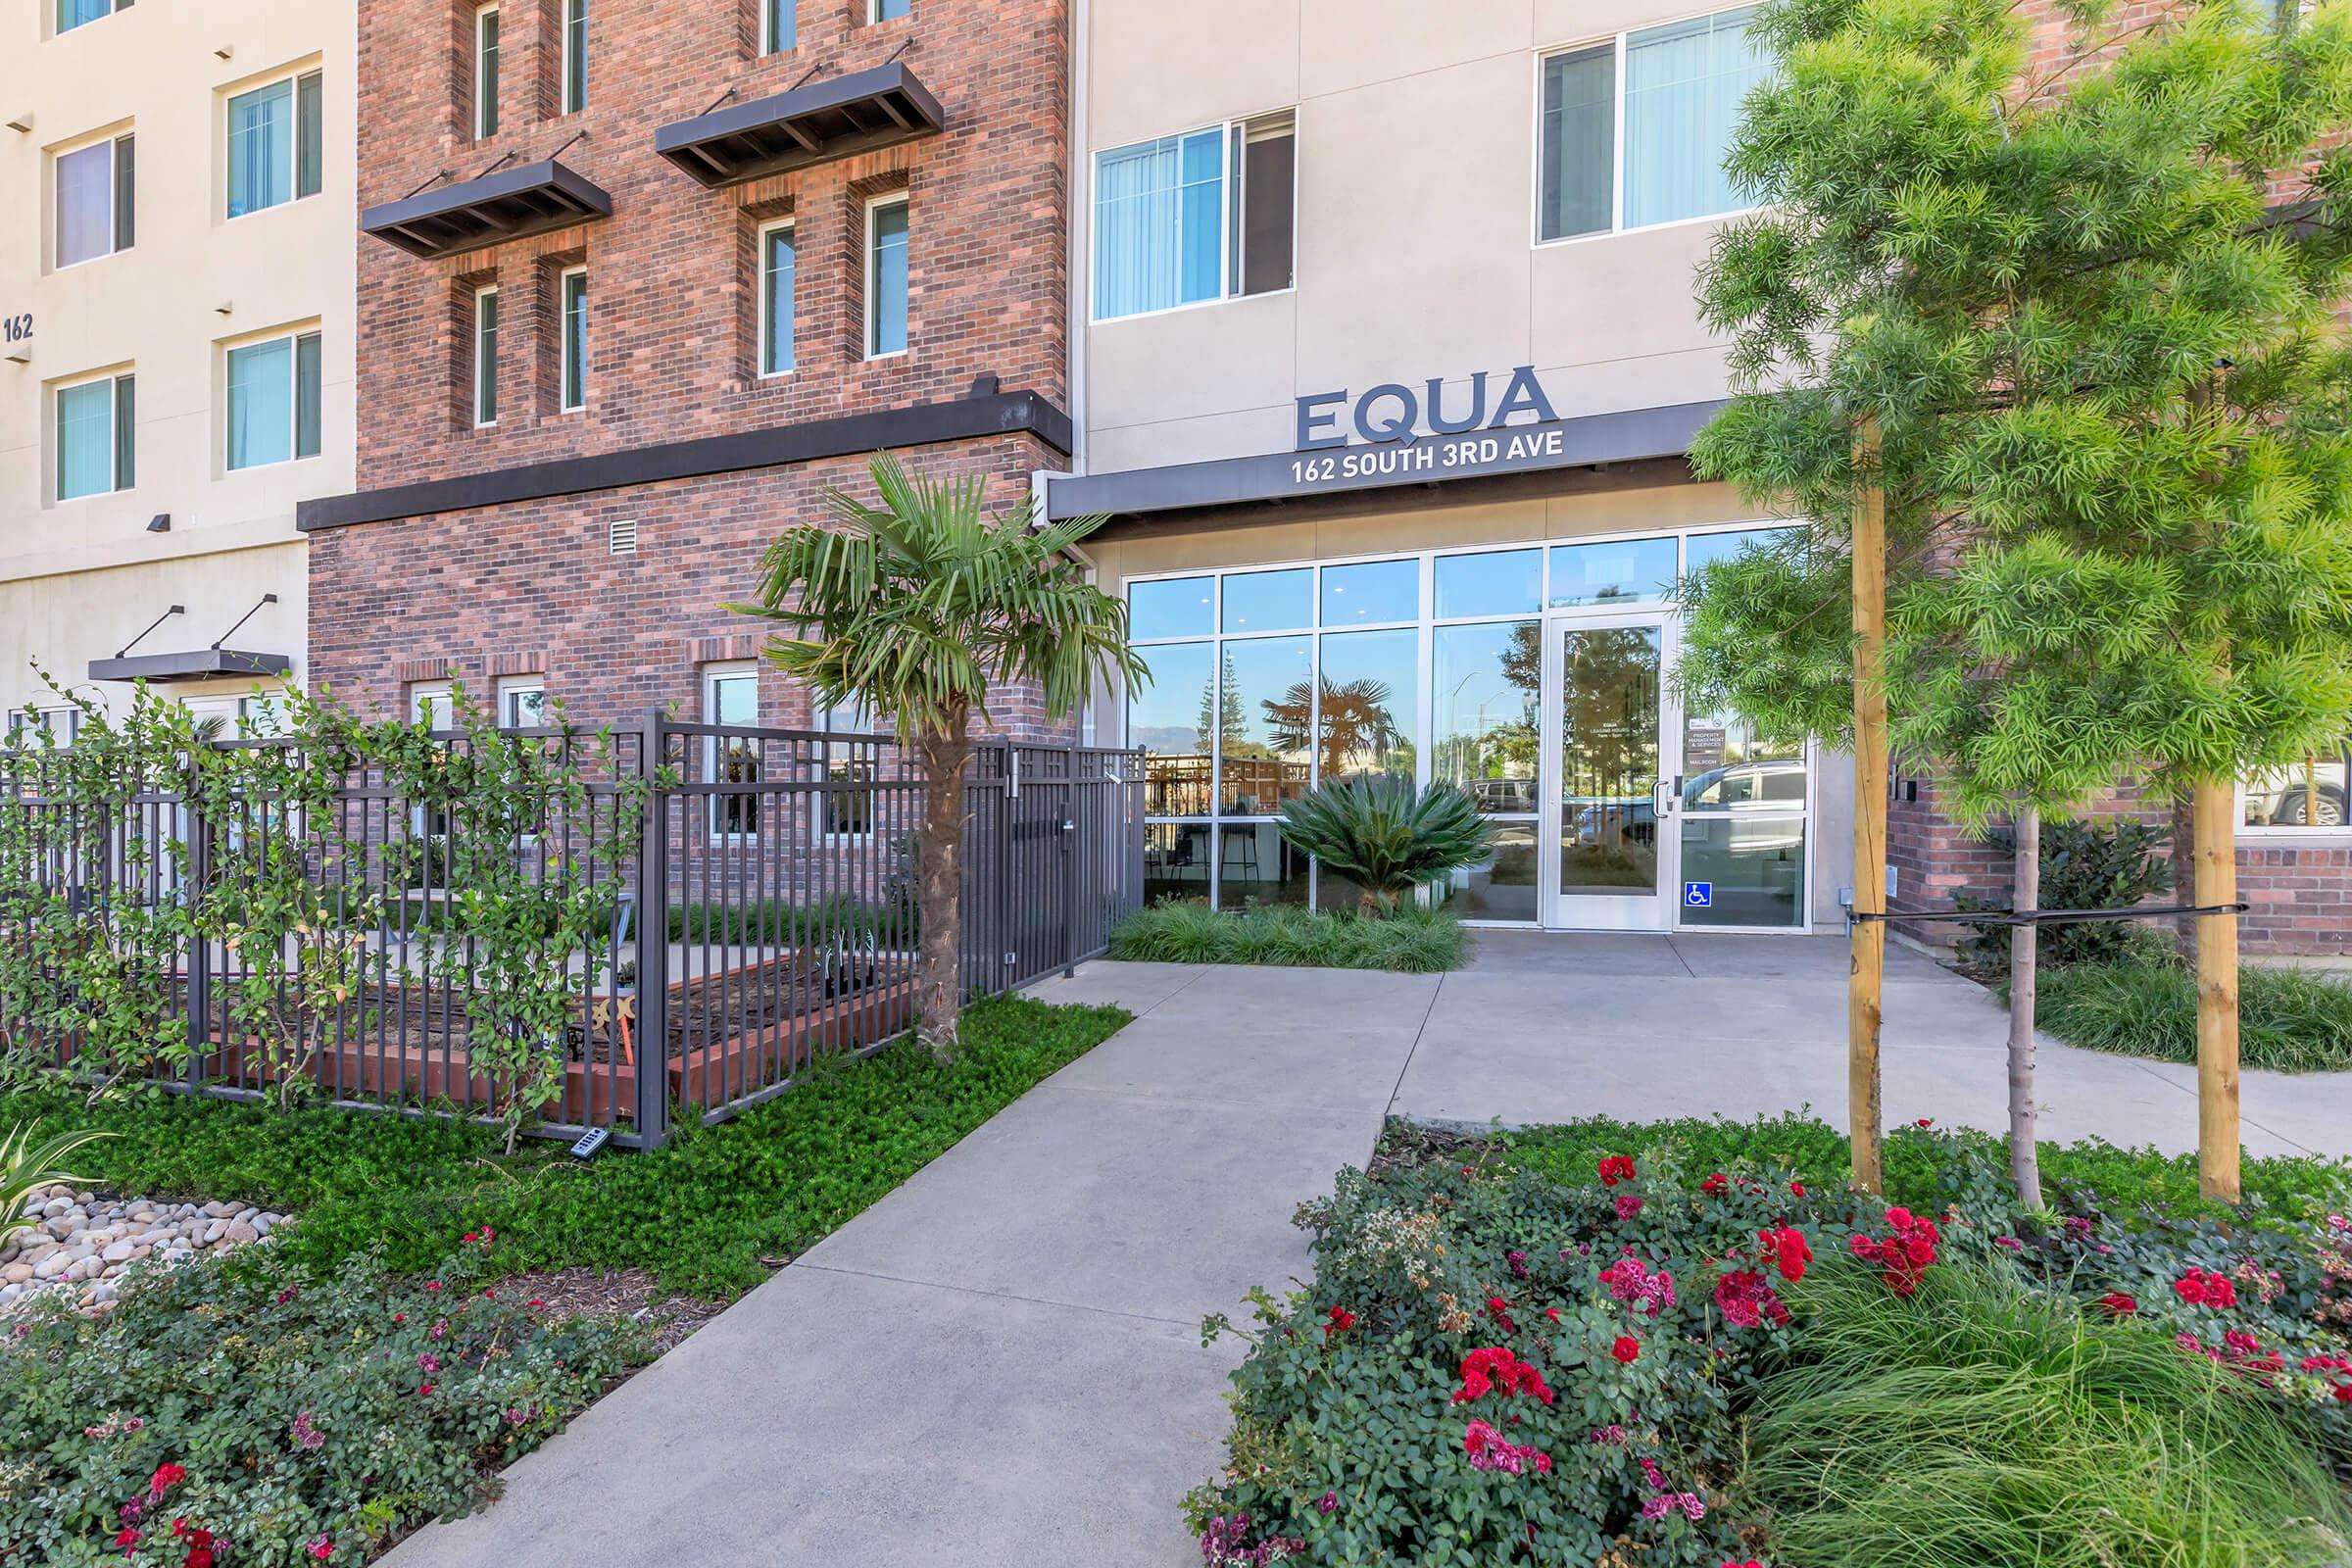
pixel 205 663
pixel 859 113
pixel 508 205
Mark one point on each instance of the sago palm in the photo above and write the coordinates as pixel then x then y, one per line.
pixel 924 609
pixel 1387 835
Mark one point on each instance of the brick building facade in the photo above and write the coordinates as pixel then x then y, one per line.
pixel 564 478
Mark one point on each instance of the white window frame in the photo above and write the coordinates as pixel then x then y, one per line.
pixel 845 718
pixel 485 366
pixel 513 687
pixel 65 721
pixel 565 49
pixel 485 103
pixel 294 452
pixel 1617 225
pixel 565 368
pixel 297 76
pixel 714 675
pixel 769 9
pixel 114 8
pixel 114 435
pixel 1231 263
pixel 759 267
pixel 873 12
pixel 112 141
pixel 2292 835
pixel 873 268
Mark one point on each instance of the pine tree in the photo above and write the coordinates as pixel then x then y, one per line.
pixel 2097 329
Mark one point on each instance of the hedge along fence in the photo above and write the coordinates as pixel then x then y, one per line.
pixel 551 928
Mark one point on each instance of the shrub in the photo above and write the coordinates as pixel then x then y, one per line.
pixel 701 1212
pixel 268 1413
pixel 1387 834
pixel 1984 1422
pixel 2288 1020
pixel 1413 941
pixel 2098 863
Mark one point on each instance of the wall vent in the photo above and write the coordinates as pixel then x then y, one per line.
pixel 620 536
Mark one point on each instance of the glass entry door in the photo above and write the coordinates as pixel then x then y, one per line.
pixel 1609 840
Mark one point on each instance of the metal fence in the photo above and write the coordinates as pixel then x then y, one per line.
pixel 752 895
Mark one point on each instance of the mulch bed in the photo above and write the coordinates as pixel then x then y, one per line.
pixel 621 1293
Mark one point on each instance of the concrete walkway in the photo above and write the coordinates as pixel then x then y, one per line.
pixel 999 1363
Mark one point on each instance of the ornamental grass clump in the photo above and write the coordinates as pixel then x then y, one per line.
pixel 1979 1421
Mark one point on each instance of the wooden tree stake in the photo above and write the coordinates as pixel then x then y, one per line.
pixel 2214 808
pixel 1866 972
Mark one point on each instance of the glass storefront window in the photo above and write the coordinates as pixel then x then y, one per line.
pixel 1488 682
pixel 1180 607
pixel 2309 794
pixel 1175 860
pixel 1371 593
pixel 1262 761
pixel 1168 719
pixel 1503 887
pixel 1256 864
pixel 1753 866
pixel 1627 569
pixel 1270 600
pixel 1369 703
pixel 1705 548
pixel 1500 583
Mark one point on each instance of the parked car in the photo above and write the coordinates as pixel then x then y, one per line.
pixel 2296 797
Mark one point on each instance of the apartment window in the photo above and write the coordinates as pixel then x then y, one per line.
pixel 485 355
pixel 273 401
pixel 523 702
pixel 885 10
pixel 575 56
pixel 1202 215
pixel 72 13
pixel 885 277
pixel 849 811
pixel 485 71
pixel 95 206
pixel 1633 132
pixel 779 26
pixel 26 726
pixel 96 424
pixel 731 696
pixel 572 369
pixel 777 253
pixel 275 144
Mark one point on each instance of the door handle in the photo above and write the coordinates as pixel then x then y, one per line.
pixel 1661 798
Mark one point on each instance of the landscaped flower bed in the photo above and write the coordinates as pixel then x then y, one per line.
pixel 1495 1364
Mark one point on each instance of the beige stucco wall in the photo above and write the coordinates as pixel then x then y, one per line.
pixel 1416 221
pixel 79 578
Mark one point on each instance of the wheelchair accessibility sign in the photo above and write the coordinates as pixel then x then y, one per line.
pixel 1699 895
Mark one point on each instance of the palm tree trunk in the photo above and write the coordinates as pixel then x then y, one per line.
pixel 939 888
pixel 2024 1162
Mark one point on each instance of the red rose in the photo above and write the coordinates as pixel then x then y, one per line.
pixel 1626 1349
pixel 1798 1188
pixel 1616 1168
pixel 2117 1303
pixel 1715 1186
pixel 166 1477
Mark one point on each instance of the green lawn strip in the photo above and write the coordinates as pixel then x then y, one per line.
pixel 2289 1020
pixel 699 1214
pixel 1413 941
pixel 1918 1167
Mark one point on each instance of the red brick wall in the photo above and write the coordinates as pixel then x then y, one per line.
pixel 673 337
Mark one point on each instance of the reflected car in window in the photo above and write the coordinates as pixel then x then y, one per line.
pixel 2298 797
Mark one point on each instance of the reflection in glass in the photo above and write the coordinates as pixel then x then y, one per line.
pixel 1168 717
pixel 1262 766
pixel 1255 865
pixel 1180 606
pixel 1488 683
pixel 1609 761
pixel 1752 865
pixel 1705 548
pixel 1622 569
pixel 1725 765
pixel 1270 600
pixel 1372 592
pixel 1503 887
pixel 1500 582
pixel 1175 860
pixel 2310 793
pixel 1364 720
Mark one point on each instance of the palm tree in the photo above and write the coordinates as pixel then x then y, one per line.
pixel 922 609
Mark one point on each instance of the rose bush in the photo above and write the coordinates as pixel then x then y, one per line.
pixel 1494 1364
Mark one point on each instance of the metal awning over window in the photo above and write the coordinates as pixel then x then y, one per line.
pixel 859 113
pixel 205 663
pixel 508 205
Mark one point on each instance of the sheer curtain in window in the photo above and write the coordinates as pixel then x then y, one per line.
pixel 260 149
pixel 1682 88
pixel 261 403
pixel 1159 225
pixel 86 222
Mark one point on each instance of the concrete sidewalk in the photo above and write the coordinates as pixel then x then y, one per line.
pixel 999 1363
